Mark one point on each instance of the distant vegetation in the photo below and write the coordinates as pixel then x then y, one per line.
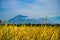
pixel 0 21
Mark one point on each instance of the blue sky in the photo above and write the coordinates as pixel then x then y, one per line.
pixel 32 8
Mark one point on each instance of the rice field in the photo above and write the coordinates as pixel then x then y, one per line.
pixel 13 32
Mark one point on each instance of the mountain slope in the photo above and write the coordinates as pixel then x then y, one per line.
pixel 56 19
pixel 19 19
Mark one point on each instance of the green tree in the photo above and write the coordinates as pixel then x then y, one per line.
pixel 0 21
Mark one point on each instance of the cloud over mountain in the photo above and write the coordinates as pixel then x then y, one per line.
pixel 20 19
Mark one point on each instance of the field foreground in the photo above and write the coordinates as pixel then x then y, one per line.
pixel 29 33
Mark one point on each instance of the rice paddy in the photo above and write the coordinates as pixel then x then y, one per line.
pixel 13 32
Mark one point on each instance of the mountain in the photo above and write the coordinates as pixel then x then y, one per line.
pixel 19 19
pixel 56 19
pixel 48 21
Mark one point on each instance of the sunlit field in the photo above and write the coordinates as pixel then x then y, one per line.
pixel 13 32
